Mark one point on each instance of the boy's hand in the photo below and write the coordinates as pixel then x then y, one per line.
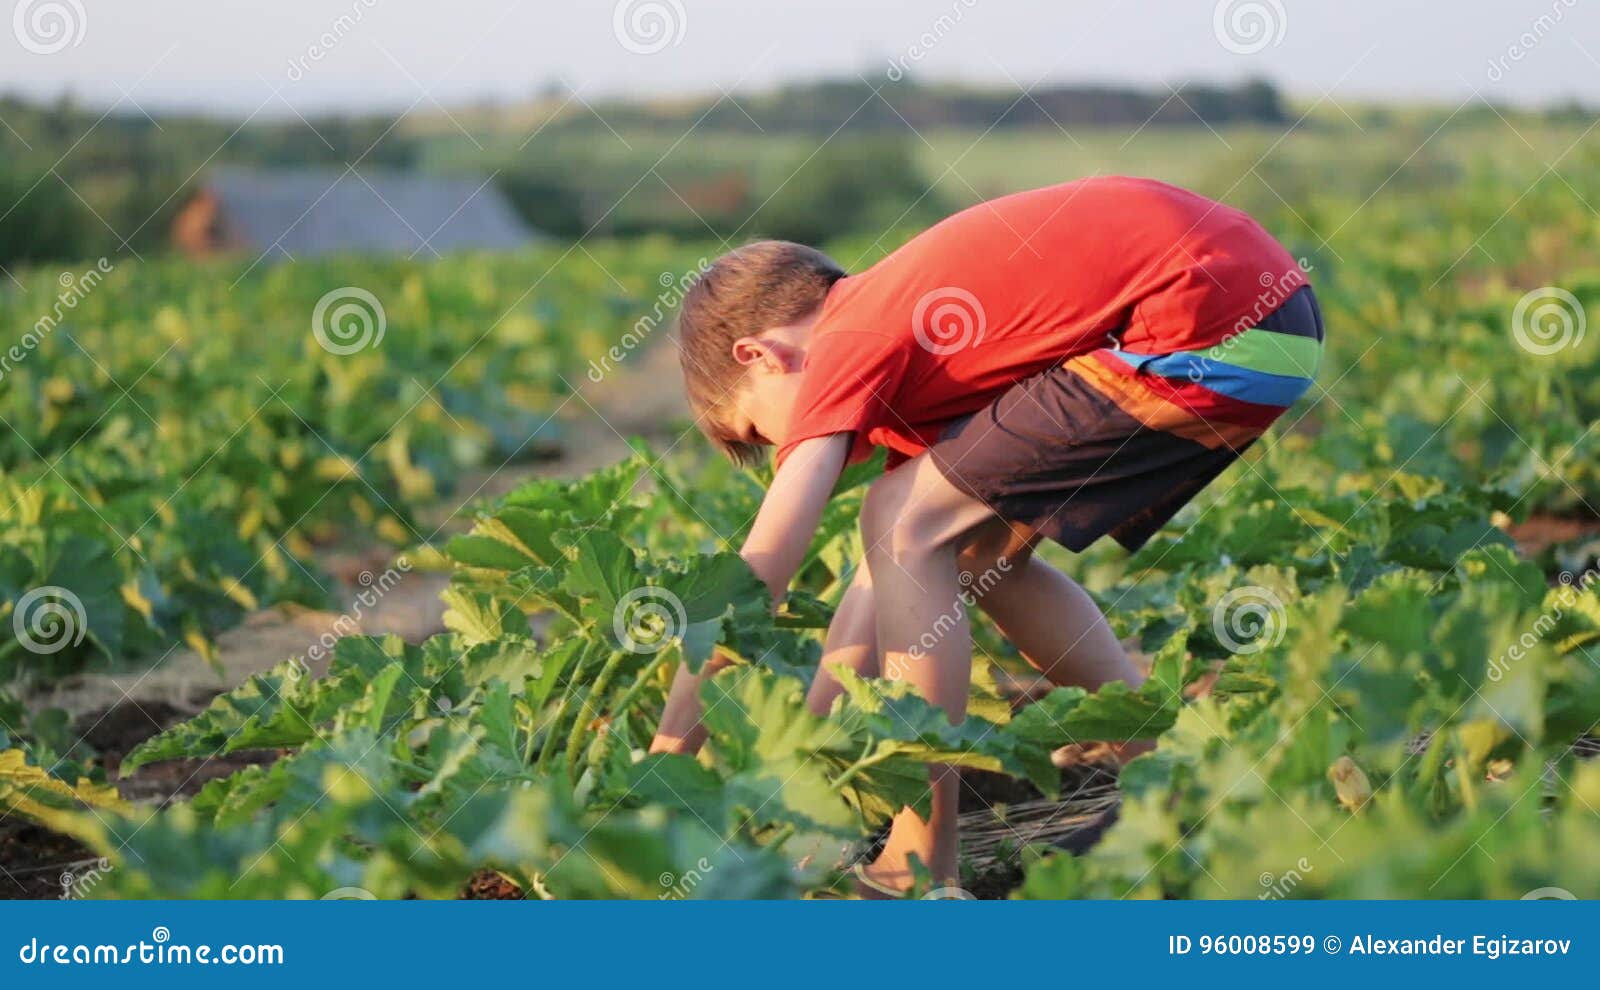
pixel 774 550
pixel 782 533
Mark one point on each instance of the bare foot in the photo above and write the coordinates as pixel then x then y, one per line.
pixel 913 846
pixel 885 886
pixel 1111 755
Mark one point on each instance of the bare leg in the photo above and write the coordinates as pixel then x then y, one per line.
pixel 1045 614
pixel 922 533
pixel 1053 622
pixel 852 641
pixel 914 523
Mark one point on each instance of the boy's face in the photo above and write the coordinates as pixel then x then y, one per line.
pixel 762 403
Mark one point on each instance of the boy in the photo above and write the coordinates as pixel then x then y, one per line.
pixel 1069 362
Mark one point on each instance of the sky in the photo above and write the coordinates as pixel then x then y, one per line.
pixel 235 57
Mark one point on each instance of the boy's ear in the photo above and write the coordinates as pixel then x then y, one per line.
pixel 772 356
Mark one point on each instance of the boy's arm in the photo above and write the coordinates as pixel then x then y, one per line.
pixel 789 514
pixel 774 549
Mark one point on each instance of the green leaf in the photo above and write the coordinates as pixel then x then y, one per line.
pixel 32 793
pixel 1114 713
pixel 285 706
pixel 602 570
pixel 710 584
pixel 481 618
pixel 474 550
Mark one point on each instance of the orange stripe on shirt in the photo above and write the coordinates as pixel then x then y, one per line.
pixel 1157 413
pixel 1199 401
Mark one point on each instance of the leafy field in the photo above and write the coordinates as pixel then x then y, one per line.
pixel 1362 686
pixel 178 438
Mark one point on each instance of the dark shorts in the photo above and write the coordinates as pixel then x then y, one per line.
pixel 1116 443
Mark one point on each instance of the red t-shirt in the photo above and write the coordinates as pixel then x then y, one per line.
pixel 1008 288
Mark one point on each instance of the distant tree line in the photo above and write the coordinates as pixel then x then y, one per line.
pixel 881 106
pixel 806 161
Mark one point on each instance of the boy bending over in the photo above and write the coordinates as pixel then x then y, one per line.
pixel 1070 362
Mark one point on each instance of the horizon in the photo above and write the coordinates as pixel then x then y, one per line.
pixel 121 108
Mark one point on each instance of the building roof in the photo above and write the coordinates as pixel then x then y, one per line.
pixel 307 211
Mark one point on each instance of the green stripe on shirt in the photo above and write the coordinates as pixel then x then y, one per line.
pixel 1270 353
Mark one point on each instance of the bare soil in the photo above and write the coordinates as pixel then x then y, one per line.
pixel 1540 533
